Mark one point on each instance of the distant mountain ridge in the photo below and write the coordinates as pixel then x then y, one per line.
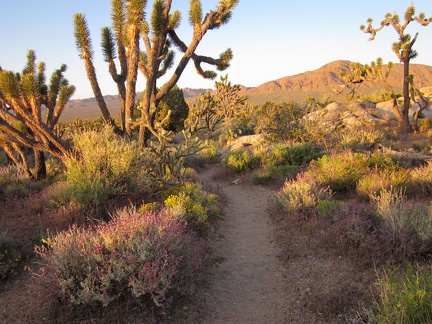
pixel 316 83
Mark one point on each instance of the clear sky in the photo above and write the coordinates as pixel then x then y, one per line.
pixel 270 39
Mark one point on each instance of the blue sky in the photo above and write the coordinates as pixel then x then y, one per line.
pixel 270 39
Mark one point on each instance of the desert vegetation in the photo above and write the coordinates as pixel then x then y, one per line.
pixel 356 180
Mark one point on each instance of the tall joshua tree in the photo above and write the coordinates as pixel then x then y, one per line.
pixel 157 58
pixel 158 33
pixel 22 97
pixel 85 48
pixel 403 50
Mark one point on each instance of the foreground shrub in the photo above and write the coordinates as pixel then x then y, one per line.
pixel 147 256
pixel 301 194
pixel 193 204
pixel 402 297
pixel 11 258
pixel 13 184
pixel 406 225
pixel 240 161
pixel 107 166
pixel 339 171
pixel 422 178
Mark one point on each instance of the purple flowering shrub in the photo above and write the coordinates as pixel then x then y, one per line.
pixel 146 255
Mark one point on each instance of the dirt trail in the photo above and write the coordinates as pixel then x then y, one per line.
pixel 247 284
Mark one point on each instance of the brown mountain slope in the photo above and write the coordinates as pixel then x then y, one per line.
pixel 321 82
pixel 318 83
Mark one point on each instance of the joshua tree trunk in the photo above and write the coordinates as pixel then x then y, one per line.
pixel 40 165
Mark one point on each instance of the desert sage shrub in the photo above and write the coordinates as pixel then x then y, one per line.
pixel 422 178
pixel 405 224
pixel 339 171
pixel 196 206
pixel 425 125
pixel 14 184
pixel 299 154
pixel 11 258
pixel 151 257
pixel 378 180
pixel 279 122
pixel 356 139
pixel 265 175
pixel 240 161
pixel 302 194
pixel 107 166
pixel 403 295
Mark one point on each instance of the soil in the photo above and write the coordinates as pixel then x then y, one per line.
pixel 254 278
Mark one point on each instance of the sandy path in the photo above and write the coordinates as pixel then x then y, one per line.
pixel 247 286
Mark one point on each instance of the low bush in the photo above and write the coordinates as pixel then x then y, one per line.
pixel 15 185
pixel 209 154
pixel 198 207
pixel 151 257
pixel 406 225
pixel 11 258
pixel 421 178
pixel 240 161
pixel 402 296
pixel 106 167
pixel 425 125
pixel 378 180
pixel 360 139
pixel 339 171
pixel 302 194
pixel 299 154
pixel 266 175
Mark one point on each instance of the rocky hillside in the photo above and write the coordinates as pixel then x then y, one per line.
pixel 324 80
pixel 318 83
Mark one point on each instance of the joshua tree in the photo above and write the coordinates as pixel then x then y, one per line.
pixel 158 34
pixel 377 72
pixel 84 46
pixel 403 50
pixel 22 97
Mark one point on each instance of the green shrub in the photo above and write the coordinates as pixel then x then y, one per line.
pixel 279 121
pixel 107 166
pixel 402 296
pixel 378 180
pixel 360 138
pixel 209 154
pixel 299 154
pixel 13 184
pixel 11 258
pixel 339 171
pixel 3 158
pixel 425 125
pixel 266 175
pixel 240 161
pixel 377 96
pixel 195 205
pixel 301 194
pixel 147 256
pixel 421 178
pixel 381 161
pixel 59 194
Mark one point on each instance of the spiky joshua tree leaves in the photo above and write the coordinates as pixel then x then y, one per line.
pixel 403 50
pixel 22 98
pixel 132 26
